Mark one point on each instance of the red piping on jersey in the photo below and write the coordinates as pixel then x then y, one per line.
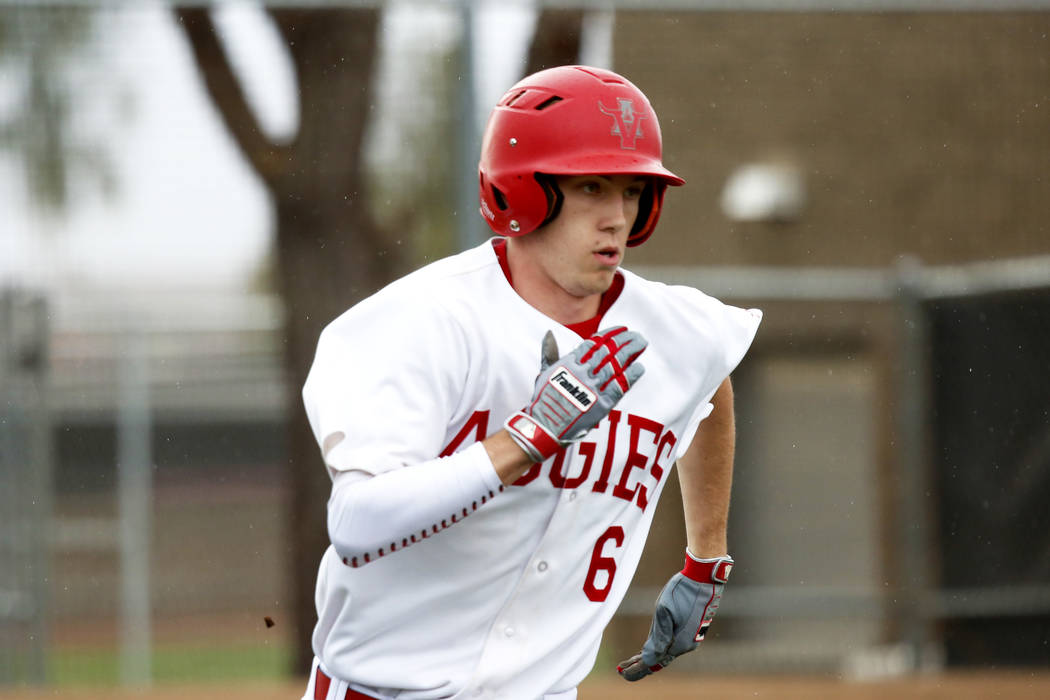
pixel 584 329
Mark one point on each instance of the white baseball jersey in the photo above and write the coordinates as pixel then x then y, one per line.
pixel 511 601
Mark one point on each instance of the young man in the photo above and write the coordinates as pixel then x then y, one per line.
pixel 486 520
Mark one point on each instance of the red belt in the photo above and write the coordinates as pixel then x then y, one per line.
pixel 321 683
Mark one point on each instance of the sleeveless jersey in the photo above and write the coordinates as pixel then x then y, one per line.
pixel 511 601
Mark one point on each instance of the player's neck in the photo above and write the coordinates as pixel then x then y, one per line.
pixel 555 302
pixel 545 295
pixel 551 299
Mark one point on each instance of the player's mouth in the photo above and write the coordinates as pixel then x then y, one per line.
pixel 608 256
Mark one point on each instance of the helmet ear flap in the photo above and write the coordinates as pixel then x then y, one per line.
pixel 553 194
pixel 648 212
pixel 514 205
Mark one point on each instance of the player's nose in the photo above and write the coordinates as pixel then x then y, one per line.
pixel 616 212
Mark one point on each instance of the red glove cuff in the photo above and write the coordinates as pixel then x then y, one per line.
pixel 530 434
pixel 708 570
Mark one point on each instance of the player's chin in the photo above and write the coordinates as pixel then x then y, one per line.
pixel 600 281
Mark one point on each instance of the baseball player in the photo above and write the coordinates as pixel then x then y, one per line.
pixel 498 425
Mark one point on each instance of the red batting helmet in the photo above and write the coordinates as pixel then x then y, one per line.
pixel 569 120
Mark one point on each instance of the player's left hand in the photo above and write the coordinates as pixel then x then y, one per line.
pixel 574 393
pixel 684 611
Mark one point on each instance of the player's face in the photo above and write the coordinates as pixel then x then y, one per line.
pixel 577 254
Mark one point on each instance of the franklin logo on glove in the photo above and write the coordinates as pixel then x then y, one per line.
pixel 572 389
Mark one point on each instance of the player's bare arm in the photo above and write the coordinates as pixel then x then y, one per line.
pixel 705 473
pixel 688 602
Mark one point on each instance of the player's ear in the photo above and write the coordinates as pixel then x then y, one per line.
pixel 549 354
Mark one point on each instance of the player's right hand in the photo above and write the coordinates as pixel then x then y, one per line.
pixel 573 393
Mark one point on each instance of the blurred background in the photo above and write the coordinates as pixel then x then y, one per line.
pixel 189 193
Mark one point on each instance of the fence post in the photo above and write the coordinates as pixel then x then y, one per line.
pixel 913 478
pixel 25 487
pixel 134 499
pixel 468 220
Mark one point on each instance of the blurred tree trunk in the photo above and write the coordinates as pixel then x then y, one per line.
pixel 330 253
pixel 556 41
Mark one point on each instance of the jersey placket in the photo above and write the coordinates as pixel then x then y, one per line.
pixel 512 629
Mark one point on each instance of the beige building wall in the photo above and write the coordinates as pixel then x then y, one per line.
pixel 919 133
pixel 915 134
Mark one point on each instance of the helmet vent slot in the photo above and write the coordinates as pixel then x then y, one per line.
pixel 509 100
pixel 550 101
pixel 501 201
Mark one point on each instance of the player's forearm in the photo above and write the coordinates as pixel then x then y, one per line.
pixel 373 516
pixel 706 477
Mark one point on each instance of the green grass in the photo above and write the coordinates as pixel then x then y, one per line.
pixel 174 663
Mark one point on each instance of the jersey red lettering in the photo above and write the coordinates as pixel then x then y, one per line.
pixel 533 472
pixel 557 476
pixel 657 470
pixel 610 452
pixel 478 422
pixel 636 459
pixel 476 427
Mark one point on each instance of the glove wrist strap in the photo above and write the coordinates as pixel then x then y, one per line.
pixel 532 437
pixel 714 570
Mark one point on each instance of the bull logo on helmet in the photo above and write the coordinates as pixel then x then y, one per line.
pixel 627 124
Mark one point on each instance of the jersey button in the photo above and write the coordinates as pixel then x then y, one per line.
pixel 542 566
pixel 572 495
pixel 509 631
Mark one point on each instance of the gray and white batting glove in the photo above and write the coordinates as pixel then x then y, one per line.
pixel 684 611
pixel 573 393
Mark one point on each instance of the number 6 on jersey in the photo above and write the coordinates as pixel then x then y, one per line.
pixel 601 562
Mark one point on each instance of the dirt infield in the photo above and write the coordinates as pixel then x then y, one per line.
pixel 1021 685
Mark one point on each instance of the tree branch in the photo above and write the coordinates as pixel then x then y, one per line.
pixel 266 157
pixel 334 52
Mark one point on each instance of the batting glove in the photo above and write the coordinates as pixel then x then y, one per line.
pixel 684 611
pixel 573 393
